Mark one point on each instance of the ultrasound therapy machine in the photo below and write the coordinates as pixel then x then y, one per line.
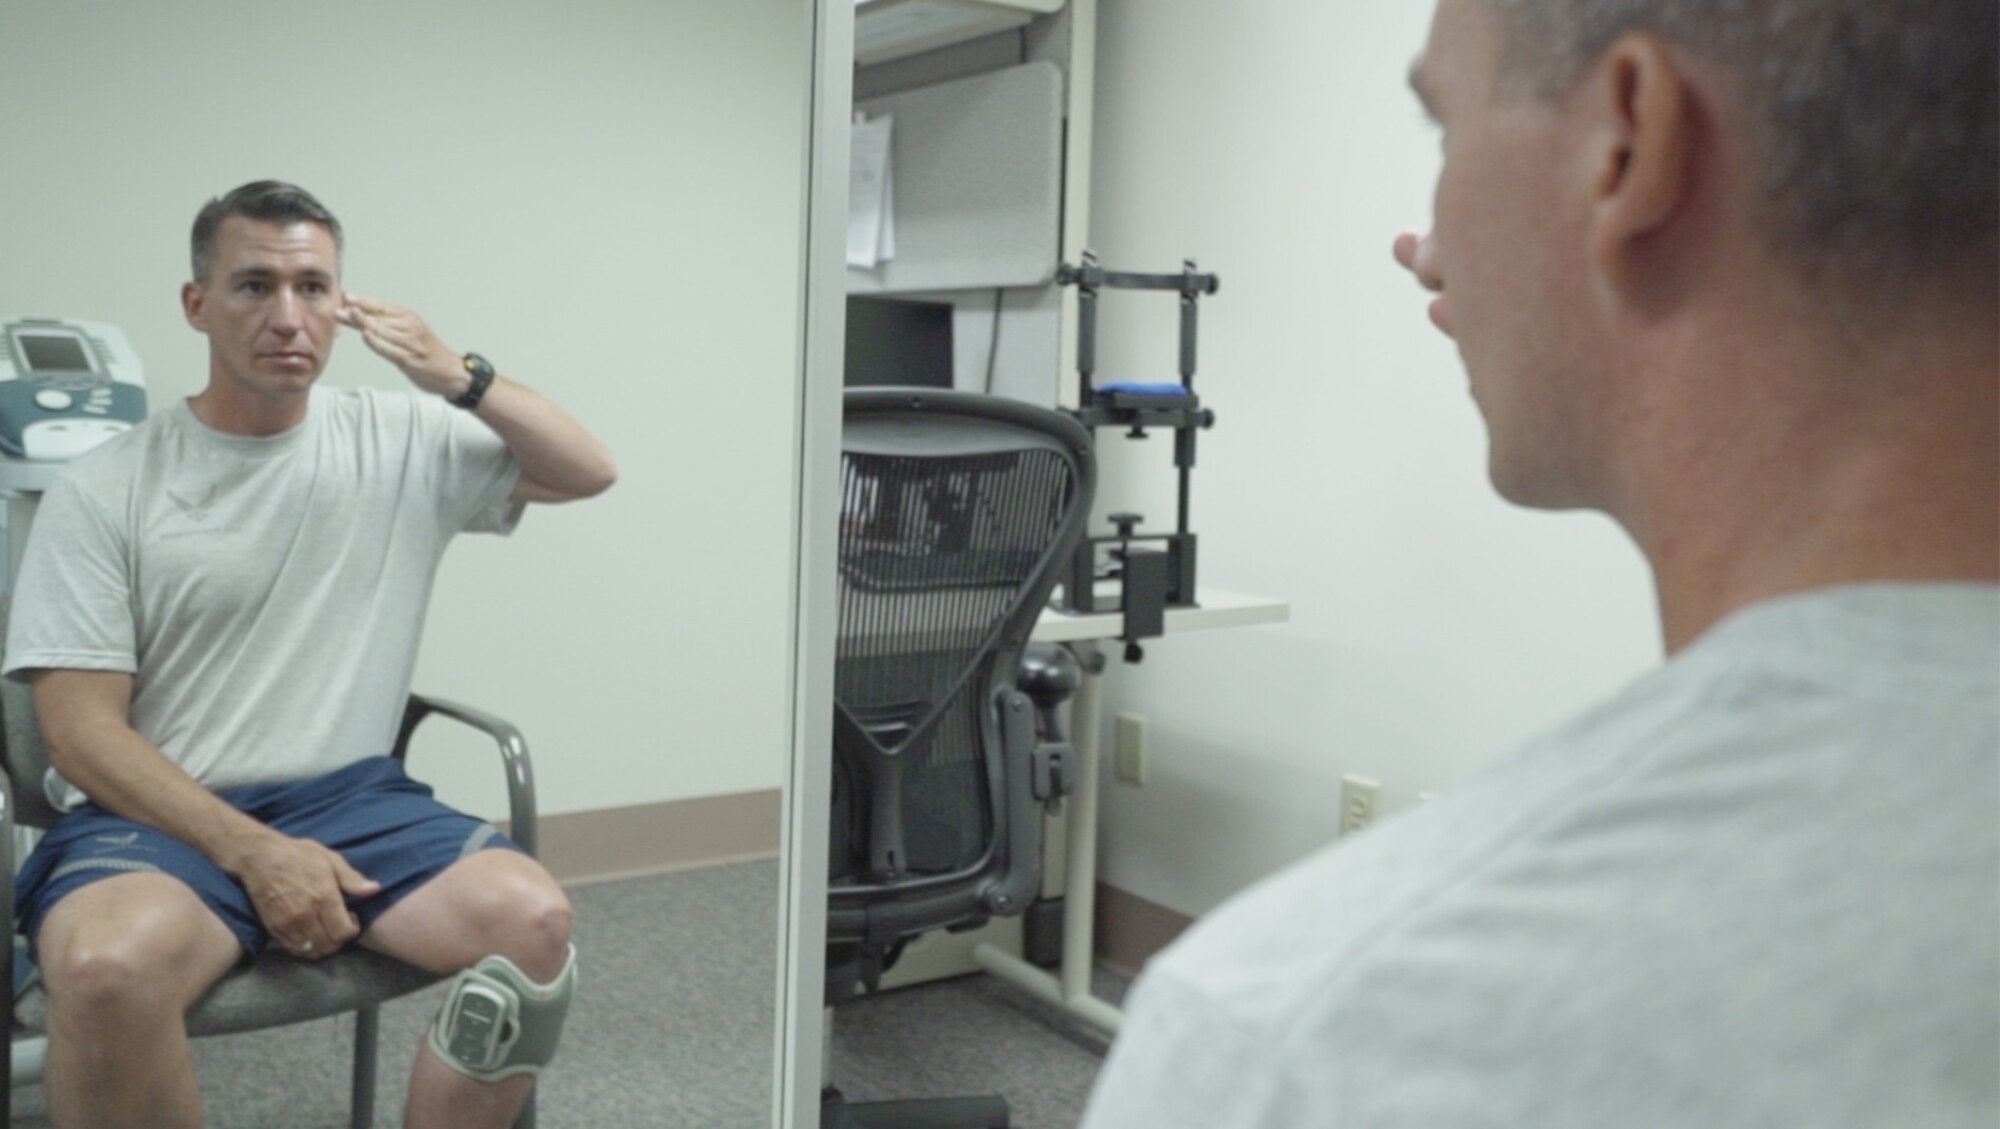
pixel 65 386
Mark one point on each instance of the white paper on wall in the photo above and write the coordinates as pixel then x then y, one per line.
pixel 871 198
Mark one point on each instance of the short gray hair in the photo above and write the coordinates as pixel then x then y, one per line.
pixel 271 200
pixel 1876 121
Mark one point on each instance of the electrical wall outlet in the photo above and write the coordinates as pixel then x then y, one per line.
pixel 1360 799
pixel 1128 762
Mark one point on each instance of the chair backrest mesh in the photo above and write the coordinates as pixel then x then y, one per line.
pixel 938 553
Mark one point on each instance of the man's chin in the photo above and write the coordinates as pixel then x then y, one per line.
pixel 1535 487
pixel 1440 312
pixel 289 375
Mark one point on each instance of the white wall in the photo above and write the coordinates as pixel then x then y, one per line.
pixel 604 197
pixel 1433 625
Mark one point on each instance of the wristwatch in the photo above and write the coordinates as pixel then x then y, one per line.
pixel 482 378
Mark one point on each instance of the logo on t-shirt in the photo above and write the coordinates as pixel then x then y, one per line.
pixel 196 510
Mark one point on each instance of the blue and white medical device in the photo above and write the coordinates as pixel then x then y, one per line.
pixel 66 386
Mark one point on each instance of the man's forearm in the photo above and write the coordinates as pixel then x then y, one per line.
pixel 559 460
pixel 554 451
pixel 125 774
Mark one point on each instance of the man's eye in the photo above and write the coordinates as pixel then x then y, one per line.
pixel 253 287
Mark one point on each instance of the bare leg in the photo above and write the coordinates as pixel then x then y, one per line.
pixel 123 959
pixel 494 901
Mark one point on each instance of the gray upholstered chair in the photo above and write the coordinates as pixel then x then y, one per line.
pixel 274 990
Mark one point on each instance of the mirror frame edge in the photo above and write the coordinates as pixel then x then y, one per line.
pixel 800 1039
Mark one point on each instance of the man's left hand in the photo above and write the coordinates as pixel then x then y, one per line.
pixel 402 337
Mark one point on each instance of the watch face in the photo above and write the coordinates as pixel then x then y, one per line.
pixel 482 375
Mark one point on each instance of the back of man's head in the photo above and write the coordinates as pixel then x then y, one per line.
pixel 272 201
pixel 1874 124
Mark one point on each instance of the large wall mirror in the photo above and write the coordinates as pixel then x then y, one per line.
pixel 609 199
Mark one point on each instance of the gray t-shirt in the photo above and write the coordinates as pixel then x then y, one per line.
pixel 1759 888
pixel 267 594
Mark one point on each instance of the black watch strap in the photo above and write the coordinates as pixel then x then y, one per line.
pixel 482 379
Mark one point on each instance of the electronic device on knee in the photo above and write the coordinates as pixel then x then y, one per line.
pixel 497 1022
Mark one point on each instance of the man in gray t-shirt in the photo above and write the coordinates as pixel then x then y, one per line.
pixel 219 613
pixel 1725 272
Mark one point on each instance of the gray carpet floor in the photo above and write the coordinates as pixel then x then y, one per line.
pixel 971 1035
pixel 672 1029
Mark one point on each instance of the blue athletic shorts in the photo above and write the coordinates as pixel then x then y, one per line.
pixel 388 826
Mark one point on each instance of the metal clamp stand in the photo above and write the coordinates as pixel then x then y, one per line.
pixel 1151 579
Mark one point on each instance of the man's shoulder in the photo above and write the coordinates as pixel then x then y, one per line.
pixel 1271 955
pixel 116 463
pixel 1759 818
pixel 1703 788
pixel 1284 951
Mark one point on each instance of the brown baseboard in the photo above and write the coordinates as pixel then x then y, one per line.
pixel 596 846
pixel 1130 929
pixel 610 843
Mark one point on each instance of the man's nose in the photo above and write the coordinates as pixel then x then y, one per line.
pixel 288 312
pixel 1418 255
pixel 1427 262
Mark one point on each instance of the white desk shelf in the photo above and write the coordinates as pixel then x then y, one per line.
pixel 892 29
pixel 1215 609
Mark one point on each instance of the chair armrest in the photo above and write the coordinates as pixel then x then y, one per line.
pixel 1049 675
pixel 513 757
pixel 1020 831
pixel 7 824
pixel 7 892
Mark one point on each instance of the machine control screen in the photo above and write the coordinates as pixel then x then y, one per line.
pixel 46 353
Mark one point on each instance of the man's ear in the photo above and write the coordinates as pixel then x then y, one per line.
pixel 1644 146
pixel 192 297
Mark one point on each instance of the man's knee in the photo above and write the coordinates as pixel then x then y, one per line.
pixel 527 918
pixel 145 947
pixel 547 918
pixel 504 1015
pixel 107 976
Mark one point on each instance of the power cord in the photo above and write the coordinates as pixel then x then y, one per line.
pixel 993 341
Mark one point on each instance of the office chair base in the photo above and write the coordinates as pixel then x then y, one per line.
pixel 836 1112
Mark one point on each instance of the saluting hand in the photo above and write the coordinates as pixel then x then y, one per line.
pixel 402 337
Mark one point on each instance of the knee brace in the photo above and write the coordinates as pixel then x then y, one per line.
pixel 497 1023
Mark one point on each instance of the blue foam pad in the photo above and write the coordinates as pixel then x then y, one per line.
pixel 1136 388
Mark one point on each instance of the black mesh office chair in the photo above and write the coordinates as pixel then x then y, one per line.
pixel 958 513
pixel 275 989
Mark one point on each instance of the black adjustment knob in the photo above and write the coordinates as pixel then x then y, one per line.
pixel 1049 675
pixel 1126 523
